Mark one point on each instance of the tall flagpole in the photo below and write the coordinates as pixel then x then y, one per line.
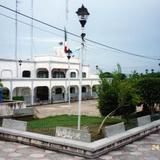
pixel 31 49
pixel 16 39
pixel 67 13
pixel 68 51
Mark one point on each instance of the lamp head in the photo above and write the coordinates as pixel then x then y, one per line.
pixel 82 15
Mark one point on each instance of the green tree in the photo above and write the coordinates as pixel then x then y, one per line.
pixel 118 93
pixel 107 97
pixel 152 75
pixel 128 97
pixel 149 89
pixel 118 96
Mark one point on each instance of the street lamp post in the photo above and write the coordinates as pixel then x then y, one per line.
pixel 20 63
pixel 69 52
pixel 82 15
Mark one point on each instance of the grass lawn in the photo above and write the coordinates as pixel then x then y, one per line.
pixel 48 125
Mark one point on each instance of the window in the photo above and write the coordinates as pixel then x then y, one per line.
pixel 73 74
pixel 42 74
pixel 26 74
pixel 84 75
pixel 57 74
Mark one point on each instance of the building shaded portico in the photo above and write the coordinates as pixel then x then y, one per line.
pixel 41 94
pixel 58 94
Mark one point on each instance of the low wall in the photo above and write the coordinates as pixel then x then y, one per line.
pixel 84 149
pixel 7 108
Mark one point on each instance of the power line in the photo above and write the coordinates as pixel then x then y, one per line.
pixel 92 47
pixel 121 51
pixel 44 30
pixel 75 35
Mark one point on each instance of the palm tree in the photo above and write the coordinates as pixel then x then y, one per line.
pixel 152 70
pixel 146 71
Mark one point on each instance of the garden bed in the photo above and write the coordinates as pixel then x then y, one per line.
pixel 48 125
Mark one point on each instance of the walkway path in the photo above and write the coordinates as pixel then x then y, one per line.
pixel 139 150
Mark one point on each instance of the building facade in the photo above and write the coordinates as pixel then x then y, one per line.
pixel 46 79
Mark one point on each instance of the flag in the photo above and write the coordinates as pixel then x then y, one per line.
pixel 65 41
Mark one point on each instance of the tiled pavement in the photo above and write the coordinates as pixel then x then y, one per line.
pixel 139 150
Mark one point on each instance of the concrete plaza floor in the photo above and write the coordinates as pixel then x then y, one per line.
pixel 88 107
pixel 147 148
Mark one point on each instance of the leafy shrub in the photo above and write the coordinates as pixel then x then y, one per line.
pixel 18 98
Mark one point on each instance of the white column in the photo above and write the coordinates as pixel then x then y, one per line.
pixel 11 91
pixel 65 96
pixel 50 92
pixel 34 70
pixel 91 89
pixel 49 76
pixel 50 87
pixel 32 93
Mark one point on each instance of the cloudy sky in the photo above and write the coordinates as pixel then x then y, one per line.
pixel 132 26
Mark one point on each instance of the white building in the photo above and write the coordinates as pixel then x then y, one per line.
pixel 45 79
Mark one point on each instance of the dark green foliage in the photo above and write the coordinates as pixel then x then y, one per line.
pixel 149 89
pixel 125 93
pixel 119 93
pixel 108 102
pixel 18 98
pixel 5 97
pixel 107 75
pixel 107 97
pixel 152 75
pixel 127 98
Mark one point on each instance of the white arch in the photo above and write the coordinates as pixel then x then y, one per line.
pixel 72 70
pixel 42 69
pixel 7 73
